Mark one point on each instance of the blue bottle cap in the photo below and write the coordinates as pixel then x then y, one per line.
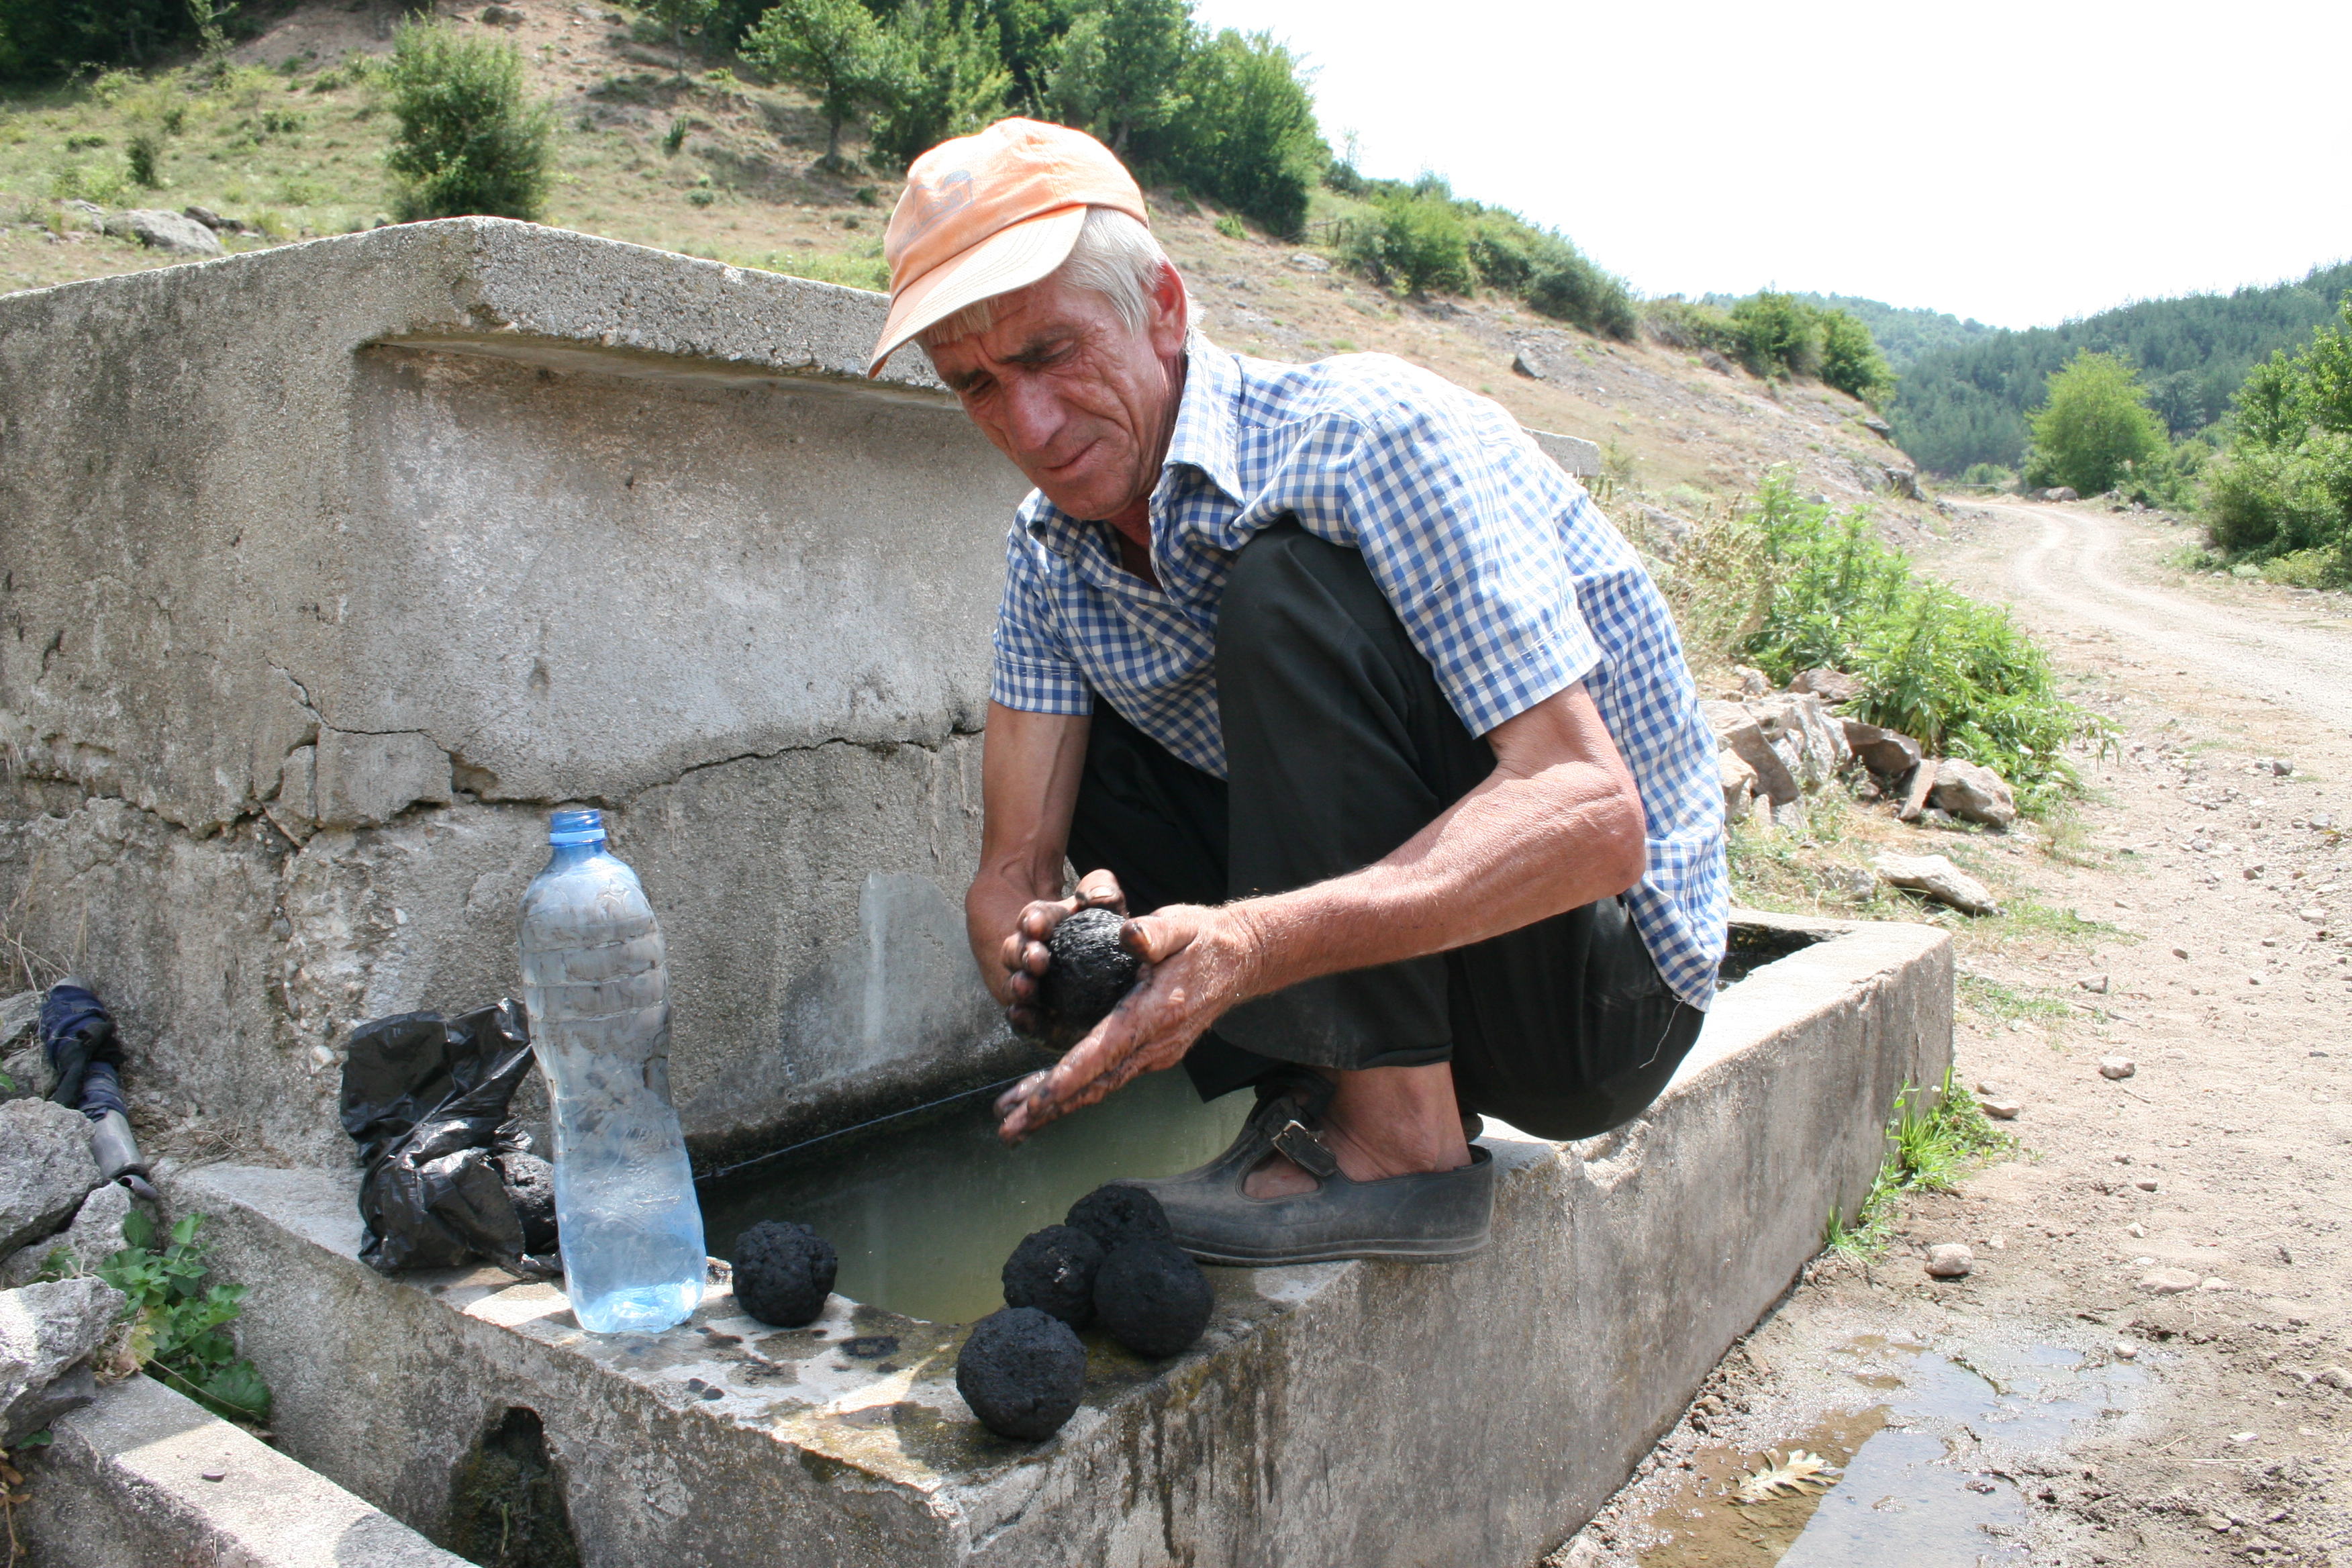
pixel 575 828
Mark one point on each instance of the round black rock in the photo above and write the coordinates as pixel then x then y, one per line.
pixel 1089 971
pixel 783 1272
pixel 1152 1298
pixel 1021 1372
pixel 530 1187
pixel 1053 1270
pixel 1116 1213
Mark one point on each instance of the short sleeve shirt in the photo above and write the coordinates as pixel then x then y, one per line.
pixel 1507 577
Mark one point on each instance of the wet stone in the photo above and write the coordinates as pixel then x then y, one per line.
pixel 1152 1298
pixel 783 1272
pixel 1054 1270
pixel 1090 970
pixel 1121 1211
pixel 1022 1373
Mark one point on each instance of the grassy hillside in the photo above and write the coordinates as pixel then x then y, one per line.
pixel 1966 404
pixel 290 142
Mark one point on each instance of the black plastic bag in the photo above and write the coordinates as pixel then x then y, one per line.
pixel 448 1176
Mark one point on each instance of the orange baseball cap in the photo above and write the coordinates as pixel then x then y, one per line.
pixel 986 214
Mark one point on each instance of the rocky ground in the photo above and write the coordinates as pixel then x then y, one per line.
pixel 2148 1363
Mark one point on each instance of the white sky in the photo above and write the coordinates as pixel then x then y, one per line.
pixel 2020 162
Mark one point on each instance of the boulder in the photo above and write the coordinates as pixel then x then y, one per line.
pixel 85 214
pixel 95 1234
pixel 1915 790
pixel 1307 261
pixel 1890 754
pixel 206 216
pixel 1738 780
pixel 1878 427
pixel 1667 531
pixel 1936 876
pixel 1737 731
pixel 165 231
pixel 2057 492
pixel 1831 686
pixel 1716 363
pixel 1800 727
pixel 1973 794
pixel 45 1169
pixel 46 1328
pixel 1904 482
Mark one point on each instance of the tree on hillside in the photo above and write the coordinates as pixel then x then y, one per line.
pixel 469 141
pixel 1851 360
pixel 1778 335
pixel 940 77
pixel 2285 484
pixel 2094 428
pixel 1119 68
pixel 1248 137
pixel 677 16
pixel 834 49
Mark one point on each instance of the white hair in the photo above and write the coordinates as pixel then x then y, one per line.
pixel 1115 256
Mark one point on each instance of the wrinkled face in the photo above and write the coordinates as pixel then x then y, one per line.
pixel 1081 403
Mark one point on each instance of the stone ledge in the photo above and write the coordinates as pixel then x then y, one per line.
pixel 124 1485
pixel 1339 1414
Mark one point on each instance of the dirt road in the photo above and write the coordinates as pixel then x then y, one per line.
pixel 2150 1363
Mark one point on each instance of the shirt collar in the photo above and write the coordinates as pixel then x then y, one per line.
pixel 1203 439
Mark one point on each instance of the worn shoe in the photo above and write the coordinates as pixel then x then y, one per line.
pixel 1427 1217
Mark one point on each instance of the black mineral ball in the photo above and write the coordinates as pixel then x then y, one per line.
pixel 1089 972
pixel 1117 1212
pixel 1152 1298
pixel 1053 1270
pixel 1022 1373
pixel 530 1187
pixel 783 1272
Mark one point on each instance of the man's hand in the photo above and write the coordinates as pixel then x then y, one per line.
pixel 1202 961
pixel 1024 955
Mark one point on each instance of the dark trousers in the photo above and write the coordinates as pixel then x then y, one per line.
pixel 1340 745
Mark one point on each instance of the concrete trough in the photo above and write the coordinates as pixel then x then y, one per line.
pixel 1343 1414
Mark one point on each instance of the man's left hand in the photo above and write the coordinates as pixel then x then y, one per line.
pixel 1203 961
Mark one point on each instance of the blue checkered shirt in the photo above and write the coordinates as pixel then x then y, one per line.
pixel 1506 575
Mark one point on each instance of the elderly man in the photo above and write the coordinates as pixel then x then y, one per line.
pixel 1343 692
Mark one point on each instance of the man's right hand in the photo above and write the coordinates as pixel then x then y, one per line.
pixel 1024 955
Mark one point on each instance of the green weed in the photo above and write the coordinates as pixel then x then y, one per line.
pixel 180 1325
pixel 1928 1151
pixel 1989 998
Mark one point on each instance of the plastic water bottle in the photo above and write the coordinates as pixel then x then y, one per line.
pixel 598 995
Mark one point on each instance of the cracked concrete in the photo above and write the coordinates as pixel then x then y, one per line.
pixel 331 568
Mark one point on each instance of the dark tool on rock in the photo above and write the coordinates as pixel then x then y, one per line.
pixel 85 1055
pixel 1152 1298
pixel 1089 970
pixel 783 1272
pixel 448 1175
pixel 1021 1372
pixel 1053 1270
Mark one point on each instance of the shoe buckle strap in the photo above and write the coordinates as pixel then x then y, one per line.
pixel 1306 1151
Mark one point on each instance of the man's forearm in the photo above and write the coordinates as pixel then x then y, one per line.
pixel 1515 850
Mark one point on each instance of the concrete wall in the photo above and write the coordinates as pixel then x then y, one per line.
pixel 1473 1414
pixel 326 569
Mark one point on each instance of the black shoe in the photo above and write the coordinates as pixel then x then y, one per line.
pixel 1428 1217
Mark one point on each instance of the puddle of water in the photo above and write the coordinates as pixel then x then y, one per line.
pixel 923 1211
pixel 1916 1487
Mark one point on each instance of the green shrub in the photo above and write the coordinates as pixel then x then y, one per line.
pixel 469 141
pixel 1417 243
pixel 2283 485
pixel 43 40
pixel 2095 427
pixel 1784 584
pixel 144 155
pixel 1779 334
pixel 1682 323
pixel 1230 226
